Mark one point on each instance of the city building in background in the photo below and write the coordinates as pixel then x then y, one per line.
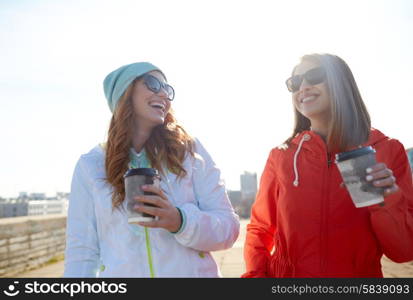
pixel 242 200
pixel 248 185
pixel 46 207
pixel 33 204
pixel 235 198
pixel 13 208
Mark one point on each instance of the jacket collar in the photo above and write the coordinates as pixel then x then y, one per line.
pixel 375 137
pixel 316 142
pixel 313 142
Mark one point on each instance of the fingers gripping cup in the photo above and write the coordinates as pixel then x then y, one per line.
pixel 352 166
pixel 134 179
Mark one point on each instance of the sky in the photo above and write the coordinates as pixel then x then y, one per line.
pixel 227 60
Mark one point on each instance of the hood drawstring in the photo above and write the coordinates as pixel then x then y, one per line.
pixel 306 137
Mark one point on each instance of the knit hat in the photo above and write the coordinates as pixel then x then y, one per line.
pixel 116 83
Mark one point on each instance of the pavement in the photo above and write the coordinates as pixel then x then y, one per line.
pixel 231 263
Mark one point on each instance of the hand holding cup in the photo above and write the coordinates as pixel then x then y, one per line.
pixel 167 215
pixel 381 176
pixel 353 166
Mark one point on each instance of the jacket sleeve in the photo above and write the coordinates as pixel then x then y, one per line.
pixel 82 250
pixel 212 224
pixel 393 222
pixel 260 232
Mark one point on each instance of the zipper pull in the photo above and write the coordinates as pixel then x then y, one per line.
pixel 329 160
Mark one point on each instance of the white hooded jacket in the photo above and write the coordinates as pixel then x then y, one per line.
pixel 100 241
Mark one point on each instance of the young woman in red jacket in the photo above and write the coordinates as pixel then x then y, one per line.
pixel 304 223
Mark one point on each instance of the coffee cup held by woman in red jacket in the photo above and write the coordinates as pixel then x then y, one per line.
pixel 304 222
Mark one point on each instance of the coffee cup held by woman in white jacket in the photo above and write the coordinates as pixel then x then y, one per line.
pixel 193 213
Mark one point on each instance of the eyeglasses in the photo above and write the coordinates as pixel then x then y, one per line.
pixel 313 76
pixel 155 86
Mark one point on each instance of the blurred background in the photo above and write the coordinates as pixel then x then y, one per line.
pixel 227 60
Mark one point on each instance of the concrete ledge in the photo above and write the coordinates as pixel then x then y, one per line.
pixel 30 241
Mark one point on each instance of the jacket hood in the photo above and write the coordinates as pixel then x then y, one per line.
pixel 375 137
pixel 319 146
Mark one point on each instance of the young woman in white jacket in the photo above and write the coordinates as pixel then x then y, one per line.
pixel 193 209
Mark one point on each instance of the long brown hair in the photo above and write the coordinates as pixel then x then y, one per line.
pixel 166 148
pixel 350 121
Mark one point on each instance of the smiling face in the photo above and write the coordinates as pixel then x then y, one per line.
pixel 312 101
pixel 150 108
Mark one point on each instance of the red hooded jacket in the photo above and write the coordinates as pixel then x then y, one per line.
pixel 304 223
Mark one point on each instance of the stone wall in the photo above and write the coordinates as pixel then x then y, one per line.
pixel 29 242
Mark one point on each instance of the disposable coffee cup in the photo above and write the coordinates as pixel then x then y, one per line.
pixel 134 179
pixel 352 166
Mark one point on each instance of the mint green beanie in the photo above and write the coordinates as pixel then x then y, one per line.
pixel 116 83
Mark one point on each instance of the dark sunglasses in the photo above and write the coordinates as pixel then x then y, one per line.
pixel 155 86
pixel 313 76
